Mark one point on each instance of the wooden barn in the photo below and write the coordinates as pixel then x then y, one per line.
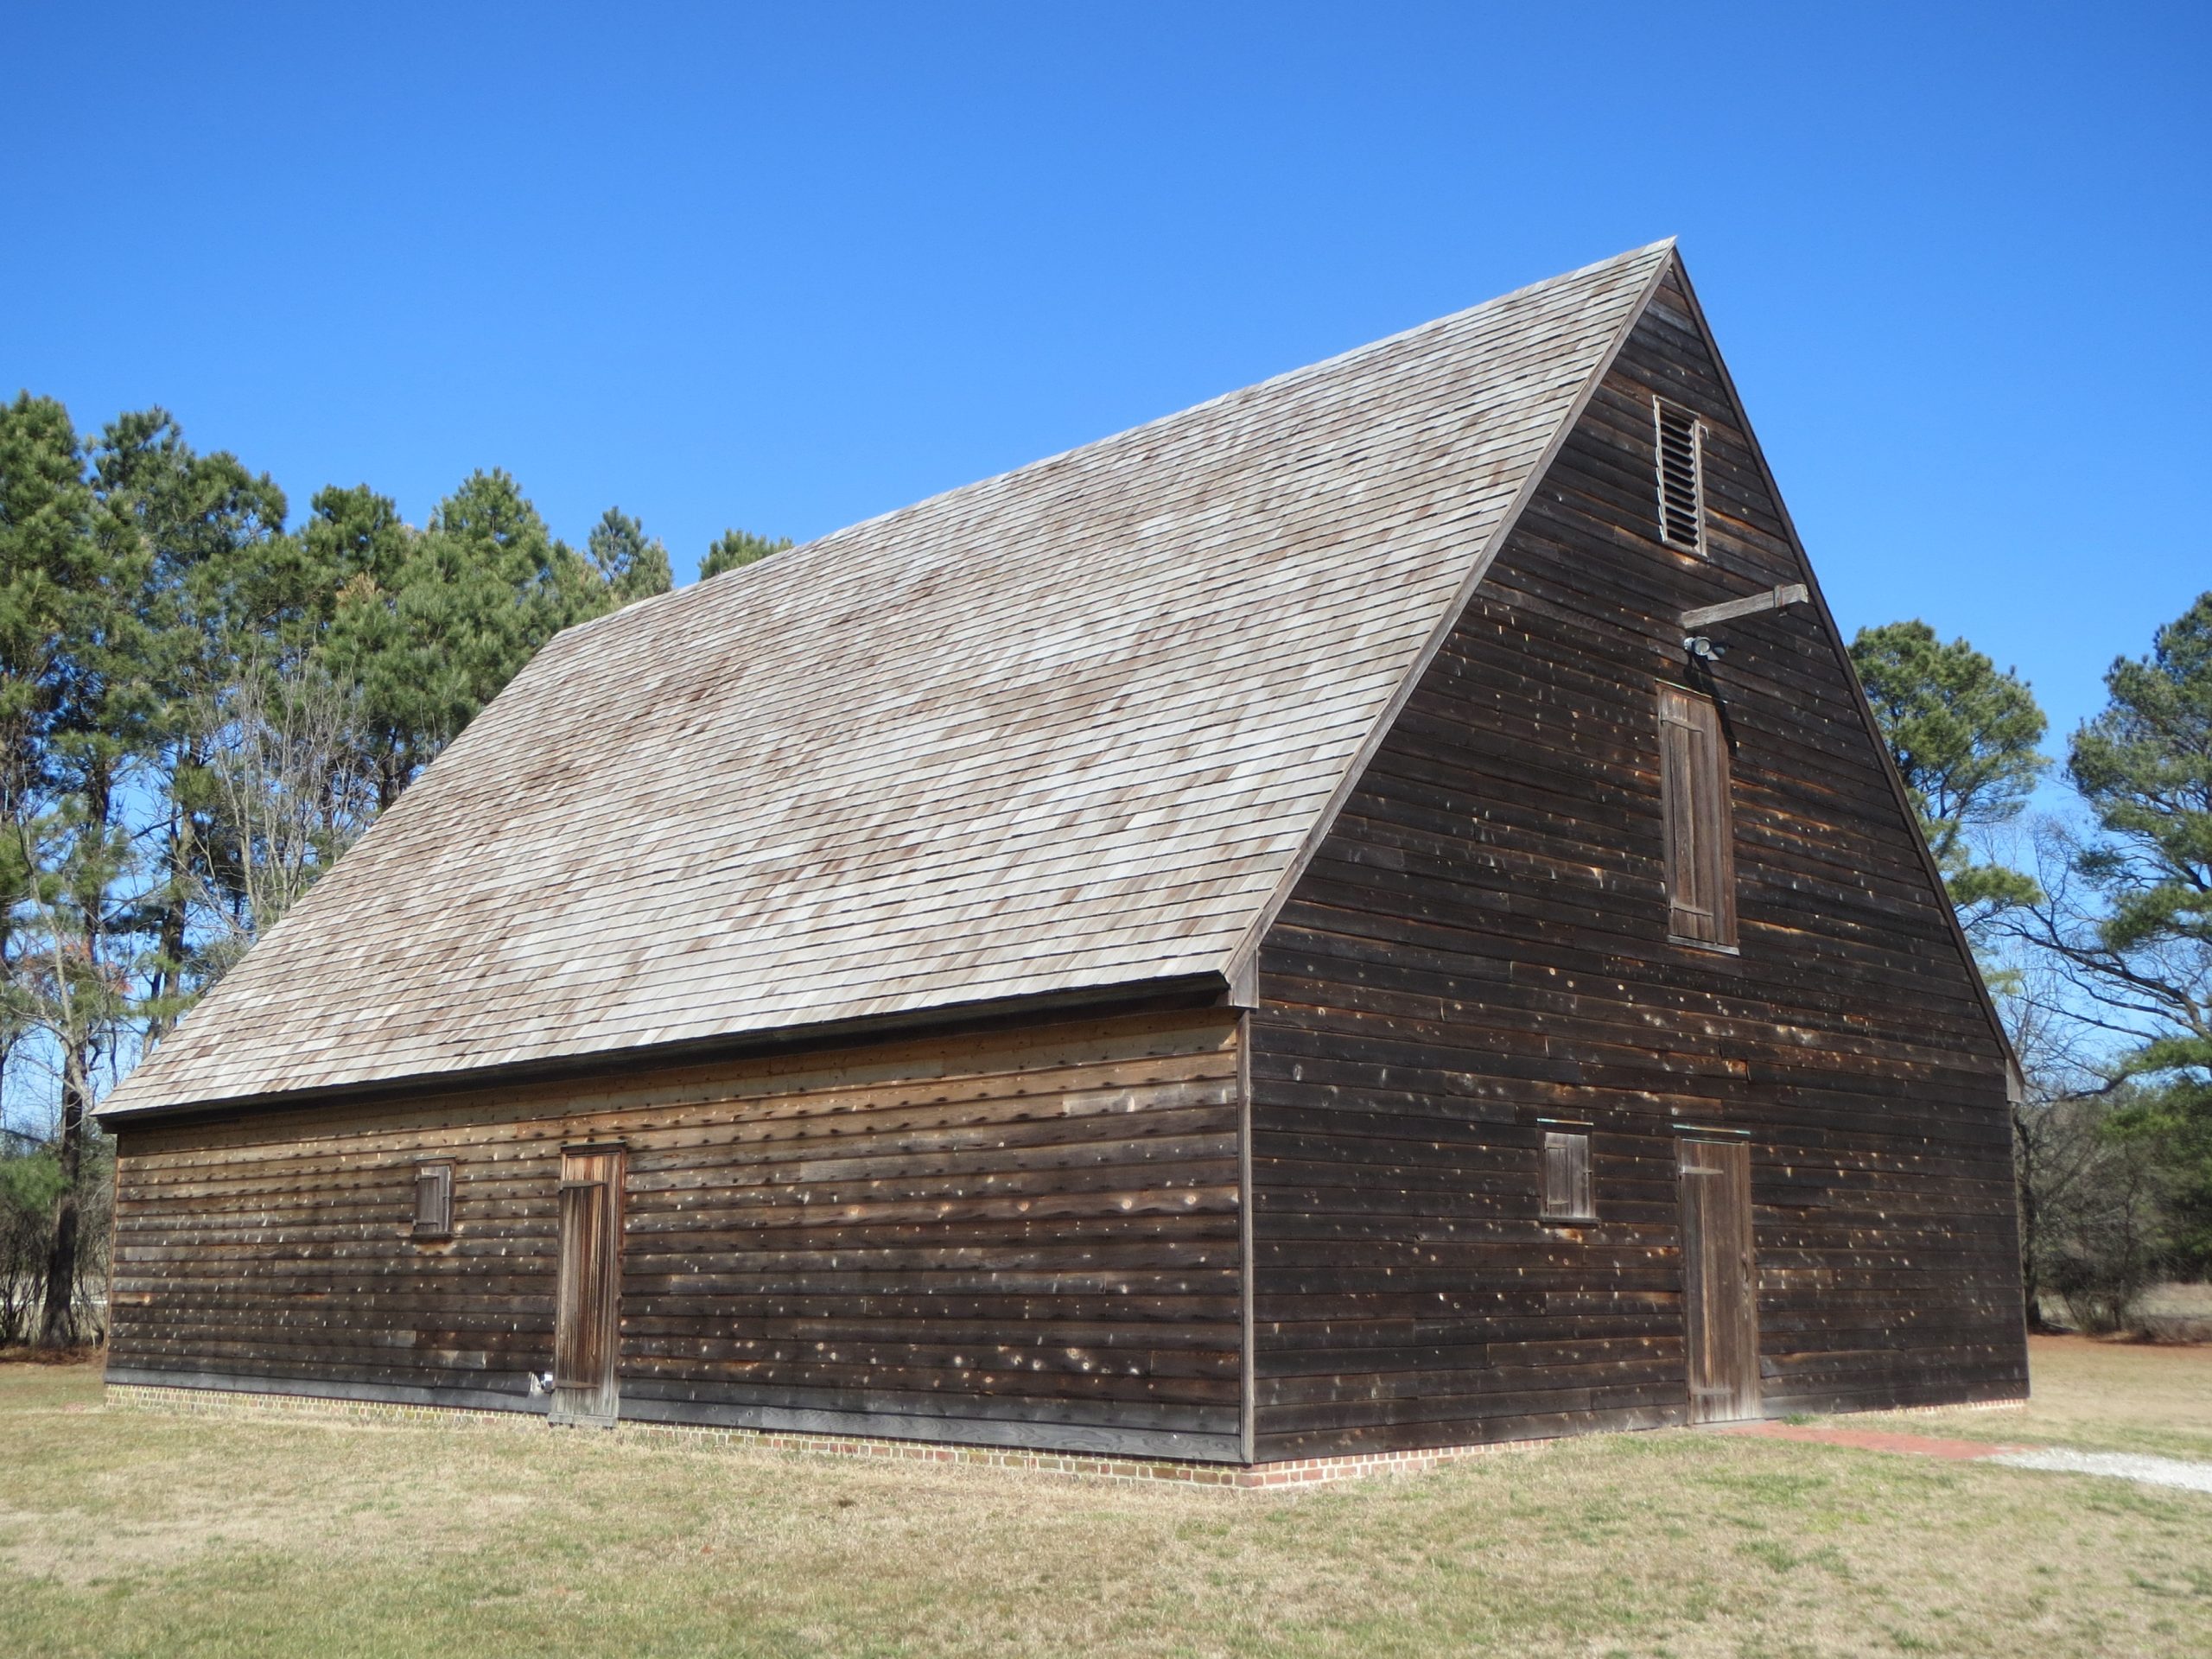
pixel 1365 917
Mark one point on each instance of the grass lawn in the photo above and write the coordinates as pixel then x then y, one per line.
pixel 132 1533
pixel 2102 1396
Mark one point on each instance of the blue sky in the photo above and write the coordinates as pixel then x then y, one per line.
pixel 788 267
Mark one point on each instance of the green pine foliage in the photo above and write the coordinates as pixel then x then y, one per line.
pixel 431 624
pixel 47 566
pixel 201 706
pixel 2143 946
pixel 1964 736
pixel 630 566
pixel 734 549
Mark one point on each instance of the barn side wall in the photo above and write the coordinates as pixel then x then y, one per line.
pixel 1023 1237
pixel 1482 944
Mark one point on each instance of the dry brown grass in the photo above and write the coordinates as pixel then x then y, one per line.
pixel 135 1534
pixel 2101 1394
pixel 2178 1313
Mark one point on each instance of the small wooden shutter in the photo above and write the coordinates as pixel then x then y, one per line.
pixel 1680 440
pixel 1694 790
pixel 1566 1176
pixel 433 1201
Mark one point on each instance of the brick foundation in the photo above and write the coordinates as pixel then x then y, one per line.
pixel 1302 1471
pixel 222 1402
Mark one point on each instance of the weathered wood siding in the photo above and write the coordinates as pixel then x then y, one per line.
pixel 1482 943
pixel 1024 1237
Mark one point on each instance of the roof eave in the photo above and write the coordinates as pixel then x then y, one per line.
pixel 1177 991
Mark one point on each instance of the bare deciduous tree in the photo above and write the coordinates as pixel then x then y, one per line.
pixel 286 797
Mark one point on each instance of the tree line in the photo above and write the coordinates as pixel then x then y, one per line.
pixel 2094 926
pixel 202 704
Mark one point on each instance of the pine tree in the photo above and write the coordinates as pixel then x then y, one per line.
pixel 45 556
pixel 466 603
pixel 74 701
pixel 2141 947
pixel 1964 737
pixel 734 549
pixel 220 582
pixel 630 566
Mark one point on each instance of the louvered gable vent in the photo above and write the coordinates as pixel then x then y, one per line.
pixel 1682 476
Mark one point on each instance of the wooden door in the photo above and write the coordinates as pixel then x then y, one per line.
pixel 587 1314
pixel 1720 1313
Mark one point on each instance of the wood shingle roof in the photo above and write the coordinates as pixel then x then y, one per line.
pixel 1064 729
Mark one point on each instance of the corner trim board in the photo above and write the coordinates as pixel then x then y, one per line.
pixel 1249 1394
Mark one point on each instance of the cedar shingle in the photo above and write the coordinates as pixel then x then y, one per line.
pixel 1063 728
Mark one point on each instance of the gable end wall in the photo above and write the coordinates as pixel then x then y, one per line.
pixel 1481 943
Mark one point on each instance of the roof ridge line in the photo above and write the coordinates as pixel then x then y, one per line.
pixel 1286 376
pixel 1238 965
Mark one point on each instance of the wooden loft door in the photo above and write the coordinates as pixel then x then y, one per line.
pixel 1720 1314
pixel 587 1315
pixel 1694 790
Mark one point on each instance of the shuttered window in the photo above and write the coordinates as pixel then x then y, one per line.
pixel 1566 1177
pixel 433 1201
pixel 1700 836
pixel 1682 475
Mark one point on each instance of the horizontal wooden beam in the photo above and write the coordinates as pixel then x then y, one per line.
pixel 1790 593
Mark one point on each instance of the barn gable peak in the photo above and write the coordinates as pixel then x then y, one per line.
pixel 1679 393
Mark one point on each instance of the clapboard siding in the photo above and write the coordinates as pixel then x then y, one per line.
pixel 1481 942
pixel 1026 1236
